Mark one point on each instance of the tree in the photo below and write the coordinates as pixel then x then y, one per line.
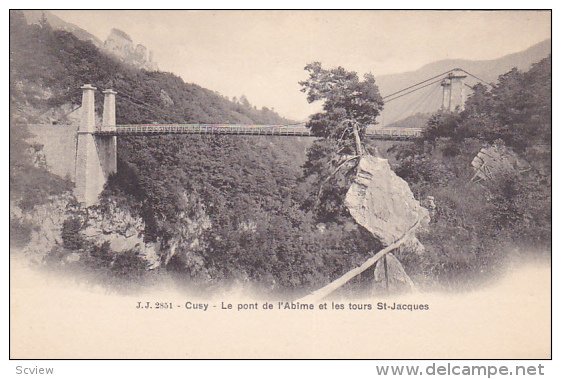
pixel 43 23
pixel 244 101
pixel 349 106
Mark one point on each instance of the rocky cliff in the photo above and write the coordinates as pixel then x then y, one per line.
pixel 113 225
pixel 46 222
pixel 120 45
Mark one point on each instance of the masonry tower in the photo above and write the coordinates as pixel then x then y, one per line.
pixel 453 91
pixel 96 155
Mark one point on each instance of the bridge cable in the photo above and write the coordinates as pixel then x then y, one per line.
pixel 132 98
pixel 67 113
pixel 414 90
pixel 411 109
pixel 414 85
pixel 153 111
pixel 429 98
pixel 134 101
pixel 423 99
pixel 141 104
pixel 414 108
pixel 481 80
pixel 67 96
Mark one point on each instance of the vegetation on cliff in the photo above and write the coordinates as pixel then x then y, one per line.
pixel 48 67
pixel 477 225
pixel 349 106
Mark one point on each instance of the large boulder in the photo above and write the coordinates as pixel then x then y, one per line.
pixel 397 278
pixel 497 160
pixel 382 202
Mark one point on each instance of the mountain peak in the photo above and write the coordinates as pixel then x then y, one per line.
pixel 120 45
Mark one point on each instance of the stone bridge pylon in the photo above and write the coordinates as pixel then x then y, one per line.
pixel 96 155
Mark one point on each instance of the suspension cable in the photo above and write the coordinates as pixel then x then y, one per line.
pixel 140 103
pixel 481 80
pixel 132 98
pixel 67 113
pixel 414 85
pixel 424 99
pixel 416 89
pixel 151 108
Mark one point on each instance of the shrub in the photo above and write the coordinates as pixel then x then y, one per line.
pixel 72 238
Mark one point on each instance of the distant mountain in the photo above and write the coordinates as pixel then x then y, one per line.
pixel 429 99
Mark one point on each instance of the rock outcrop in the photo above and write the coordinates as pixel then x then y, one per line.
pixel 382 202
pixel 114 225
pixel 120 45
pixel 193 221
pixel 122 230
pixel 46 225
pixel 384 205
pixel 35 17
pixel 397 278
pixel 497 160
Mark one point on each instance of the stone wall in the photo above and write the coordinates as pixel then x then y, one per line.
pixel 58 146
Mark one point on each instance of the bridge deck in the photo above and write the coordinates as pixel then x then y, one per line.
pixel 250 130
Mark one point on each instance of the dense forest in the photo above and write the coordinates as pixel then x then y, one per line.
pixel 238 208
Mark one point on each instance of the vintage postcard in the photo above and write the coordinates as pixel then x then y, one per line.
pixel 366 184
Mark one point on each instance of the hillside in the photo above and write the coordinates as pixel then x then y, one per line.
pixel 48 66
pixel 35 16
pixel 428 100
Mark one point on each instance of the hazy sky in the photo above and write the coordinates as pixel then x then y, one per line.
pixel 262 54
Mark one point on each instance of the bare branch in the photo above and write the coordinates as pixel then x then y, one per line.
pixel 333 174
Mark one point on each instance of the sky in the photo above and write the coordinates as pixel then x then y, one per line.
pixel 262 54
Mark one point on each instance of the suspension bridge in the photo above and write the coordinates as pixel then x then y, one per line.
pixel 96 144
pixel 453 97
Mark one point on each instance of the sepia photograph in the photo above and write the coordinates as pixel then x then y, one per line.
pixel 306 184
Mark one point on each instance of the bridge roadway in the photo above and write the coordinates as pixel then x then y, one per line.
pixel 250 130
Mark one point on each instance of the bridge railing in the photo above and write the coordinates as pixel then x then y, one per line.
pixel 394 132
pixel 248 129
pixel 241 129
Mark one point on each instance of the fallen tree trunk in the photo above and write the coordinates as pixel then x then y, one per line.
pixel 338 283
pixel 383 204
